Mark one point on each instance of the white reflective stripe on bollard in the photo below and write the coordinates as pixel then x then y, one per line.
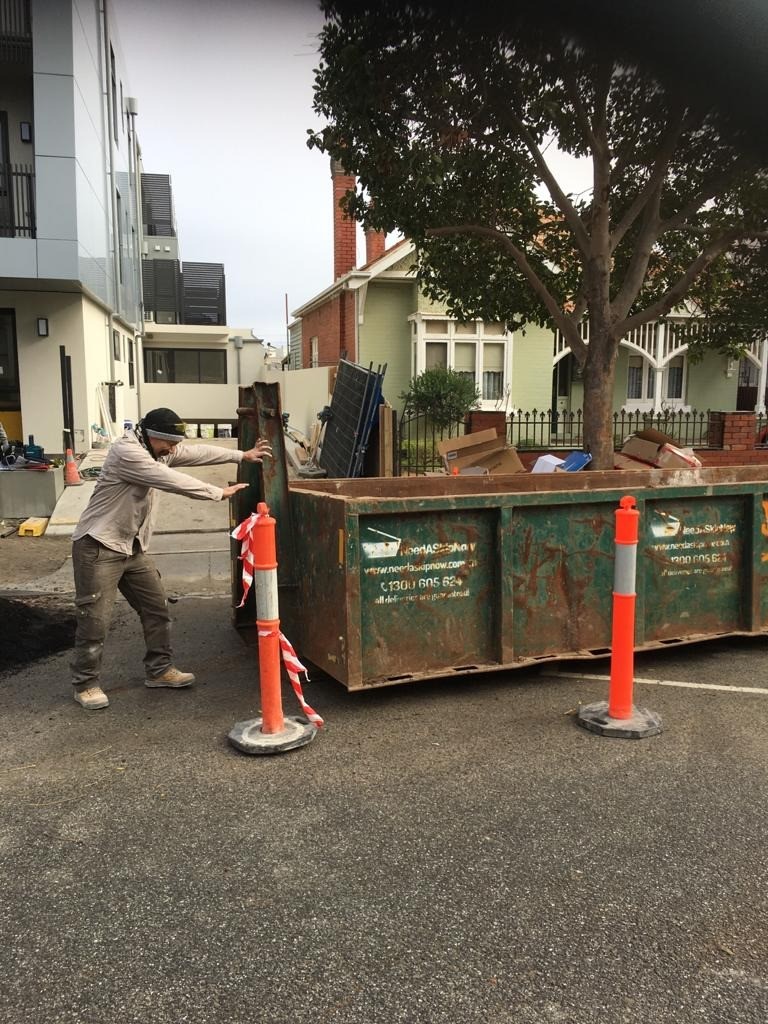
pixel 624 570
pixel 265 591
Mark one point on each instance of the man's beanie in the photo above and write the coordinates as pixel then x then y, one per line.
pixel 163 424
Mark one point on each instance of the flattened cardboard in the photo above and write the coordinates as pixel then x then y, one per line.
pixel 484 449
pixel 638 448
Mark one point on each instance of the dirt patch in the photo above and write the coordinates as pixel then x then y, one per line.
pixel 33 628
pixel 23 559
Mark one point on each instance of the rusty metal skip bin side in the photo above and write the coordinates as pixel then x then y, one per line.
pixel 396 580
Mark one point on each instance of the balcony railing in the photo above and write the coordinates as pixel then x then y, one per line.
pixel 17 201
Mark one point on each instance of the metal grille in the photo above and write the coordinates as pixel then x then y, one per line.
pixel 204 293
pixel 354 406
pixel 15 31
pixel 157 205
pixel 161 281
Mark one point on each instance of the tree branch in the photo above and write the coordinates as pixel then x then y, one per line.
pixel 558 315
pixel 582 120
pixel 666 149
pixel 560 199
pixel 711 188
pixel 679 289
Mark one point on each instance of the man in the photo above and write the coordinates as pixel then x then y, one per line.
pixel 110 543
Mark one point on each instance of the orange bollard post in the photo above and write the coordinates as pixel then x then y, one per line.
pixel 267 620
pixel 624 597
pixel 619 717
pixel 71 475
pixel 272 733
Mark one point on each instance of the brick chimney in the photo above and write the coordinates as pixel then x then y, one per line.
pixel 344 228
pixel 375 244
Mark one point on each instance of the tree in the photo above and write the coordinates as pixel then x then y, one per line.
pixel 443 394
pixel 448 114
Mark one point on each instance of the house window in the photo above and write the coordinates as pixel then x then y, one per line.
pixel 116 345
pixel 493 370
pixel 131 369
pixel 749 374
pixel 435 354
pixel 639 379
pixel 464 359
pixel 465 330
pixel 185 366
pixel 314 356
pixel 675 378
pixel 474 349
pixel 119 201
pixel 114 93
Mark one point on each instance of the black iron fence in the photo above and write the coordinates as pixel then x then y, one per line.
pixel 17 201
pixel 419 437
pixel 552 429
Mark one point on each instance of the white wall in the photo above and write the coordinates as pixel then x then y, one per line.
pixel 303 393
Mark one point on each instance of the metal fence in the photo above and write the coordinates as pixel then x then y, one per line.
pixel 418 437
pixel 552 429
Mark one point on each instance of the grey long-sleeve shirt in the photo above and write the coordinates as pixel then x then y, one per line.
pixel 121 507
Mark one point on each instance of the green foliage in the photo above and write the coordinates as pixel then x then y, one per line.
pixel 449 116
pixel 443 395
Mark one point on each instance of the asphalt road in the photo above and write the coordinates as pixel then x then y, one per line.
pixel 449 852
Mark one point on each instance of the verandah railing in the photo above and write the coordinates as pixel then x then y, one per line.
pixel 17 201
pixel 549 431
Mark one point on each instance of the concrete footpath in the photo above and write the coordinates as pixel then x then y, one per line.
pixel 190 544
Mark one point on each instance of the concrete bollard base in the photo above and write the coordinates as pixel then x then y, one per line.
pixel 248 737
pixel 642 722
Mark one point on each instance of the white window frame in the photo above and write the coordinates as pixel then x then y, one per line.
pixel 424 332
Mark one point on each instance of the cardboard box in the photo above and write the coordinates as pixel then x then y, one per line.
pixel 670 457
pixel 626 462
pixel 484 450
pixel 639 448
pixel 661 455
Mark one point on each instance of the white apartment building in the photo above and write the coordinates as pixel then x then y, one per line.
pixel 70 226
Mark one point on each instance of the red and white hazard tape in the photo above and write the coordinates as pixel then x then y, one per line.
pixel 293 667
pixel 244 533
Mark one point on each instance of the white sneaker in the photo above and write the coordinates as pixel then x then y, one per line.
pixel 92 698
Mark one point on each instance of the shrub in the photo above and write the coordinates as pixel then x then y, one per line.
pixel 444 395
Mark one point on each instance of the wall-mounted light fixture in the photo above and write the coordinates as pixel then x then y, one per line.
pixel 42 327
pixel 25 130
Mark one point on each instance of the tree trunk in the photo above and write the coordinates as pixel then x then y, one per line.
pixel 599 373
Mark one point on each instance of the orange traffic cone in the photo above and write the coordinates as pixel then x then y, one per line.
pixel 71 475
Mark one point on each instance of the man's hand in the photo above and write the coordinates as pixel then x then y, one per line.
pixel 257 453
pixel 227 492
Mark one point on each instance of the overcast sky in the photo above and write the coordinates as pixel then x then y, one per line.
pixel 224 95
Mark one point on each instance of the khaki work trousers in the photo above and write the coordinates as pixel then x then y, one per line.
pixel 99 574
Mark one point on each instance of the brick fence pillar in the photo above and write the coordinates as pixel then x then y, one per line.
pixel 739 431
pixel 477 419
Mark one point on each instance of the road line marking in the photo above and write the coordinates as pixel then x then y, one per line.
pixel 663 682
